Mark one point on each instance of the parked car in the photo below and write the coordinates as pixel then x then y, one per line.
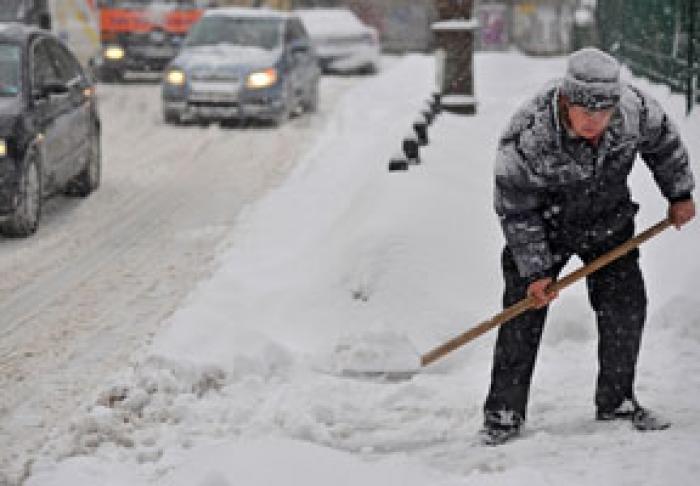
pixel 49 126
pixel 242 63
pixel 342 42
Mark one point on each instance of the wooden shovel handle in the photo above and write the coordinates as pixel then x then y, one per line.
pixel 528 302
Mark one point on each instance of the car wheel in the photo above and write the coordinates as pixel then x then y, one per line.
pixel 25 219
pixel 89 178
pixel 111 75
pixel 311 102
pixel 171 117
pixel 286 111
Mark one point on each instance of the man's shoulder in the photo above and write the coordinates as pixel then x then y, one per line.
pixel 535 120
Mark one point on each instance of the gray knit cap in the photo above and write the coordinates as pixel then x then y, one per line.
pixel 592 79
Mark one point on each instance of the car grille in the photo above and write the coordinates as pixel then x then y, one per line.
pixel 215 77
pixel 345 41
pixel 213 98
pixel 214 91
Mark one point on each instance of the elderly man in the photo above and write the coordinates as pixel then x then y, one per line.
pixel 561 190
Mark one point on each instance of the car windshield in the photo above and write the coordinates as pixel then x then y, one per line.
pixel 241 31
pixel 10 9
pixel 9 70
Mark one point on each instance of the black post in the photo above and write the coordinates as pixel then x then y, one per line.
pixel 690 95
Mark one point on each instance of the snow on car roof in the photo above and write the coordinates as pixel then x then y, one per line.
pixel 247 12
pixel 323 21
pixel 16 31
pixel 328 14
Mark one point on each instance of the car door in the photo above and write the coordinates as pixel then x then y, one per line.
pixel 77 118
pixel 50 110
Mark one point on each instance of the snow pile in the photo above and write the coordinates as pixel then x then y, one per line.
pixel 346 259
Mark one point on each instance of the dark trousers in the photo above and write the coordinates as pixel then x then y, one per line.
pixel 617 295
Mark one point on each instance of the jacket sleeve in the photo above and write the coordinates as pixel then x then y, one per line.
pixel 663 151
pixel 518 203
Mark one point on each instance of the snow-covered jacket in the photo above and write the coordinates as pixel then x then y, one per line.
pixel 553 189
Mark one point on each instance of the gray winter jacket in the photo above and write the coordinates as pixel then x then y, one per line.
pixel 555 191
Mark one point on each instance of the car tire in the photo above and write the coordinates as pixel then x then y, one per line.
pixel 369 69
pixel 286 113
pixel 89 178
pixel 25 218
pixel 311 102
pixel 110 75
pixel 171 117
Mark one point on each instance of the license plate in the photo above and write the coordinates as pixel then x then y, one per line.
pixel 214 88
pixel 217 111
pixel 159 51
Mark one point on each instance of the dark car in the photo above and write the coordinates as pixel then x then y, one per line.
pixel 49 126
pixel 242 63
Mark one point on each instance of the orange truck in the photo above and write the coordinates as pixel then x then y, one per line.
pixel 142 35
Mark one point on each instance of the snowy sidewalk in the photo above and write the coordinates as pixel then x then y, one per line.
pixel 230 392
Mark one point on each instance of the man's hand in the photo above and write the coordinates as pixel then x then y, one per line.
pixel 681 212
pixel 537 290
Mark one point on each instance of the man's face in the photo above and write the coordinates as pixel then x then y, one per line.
pixel 587 123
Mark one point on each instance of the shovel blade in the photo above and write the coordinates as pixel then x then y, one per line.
pixel 383 356
pixel 379 375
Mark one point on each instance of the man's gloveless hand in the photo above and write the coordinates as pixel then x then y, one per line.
pixel 681 212
pixel 538 291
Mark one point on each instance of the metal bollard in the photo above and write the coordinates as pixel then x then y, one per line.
pixel 411 149
pixel 398 162
pixel 434 104
pixel 421 129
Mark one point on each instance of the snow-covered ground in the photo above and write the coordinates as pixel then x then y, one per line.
pixel 236 388
pixel 101 274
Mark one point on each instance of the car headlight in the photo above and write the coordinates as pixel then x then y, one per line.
pixel 114 53
pixel 175 77
pixel 3 147
pixel 262 79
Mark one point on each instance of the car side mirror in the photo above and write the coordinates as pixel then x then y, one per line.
pixel 48 88
pixel 300 49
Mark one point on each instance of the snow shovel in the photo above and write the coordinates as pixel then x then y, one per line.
pixel 416 363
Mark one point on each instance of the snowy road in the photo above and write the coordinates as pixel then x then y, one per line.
pixel 89 289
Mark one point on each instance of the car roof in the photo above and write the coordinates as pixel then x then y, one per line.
pixel 324 13
pixel 242 12
pixel 18 33
pixel 333 22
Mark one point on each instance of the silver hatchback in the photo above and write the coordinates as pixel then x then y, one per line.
pixel 242 63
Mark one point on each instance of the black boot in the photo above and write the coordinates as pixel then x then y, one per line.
pixel 500 427
pixel 642 418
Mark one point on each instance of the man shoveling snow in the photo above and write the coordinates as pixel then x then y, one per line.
pixel 561 190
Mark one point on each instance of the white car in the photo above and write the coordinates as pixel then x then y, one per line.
pixel 342 42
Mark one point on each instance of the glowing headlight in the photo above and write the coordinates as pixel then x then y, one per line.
pixel 114 53
pixel 3 148
pixel 262 79
pixel 175 77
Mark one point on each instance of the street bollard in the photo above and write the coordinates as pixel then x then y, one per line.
pixel 397 163
pixel 434 107
pixel 421 129
pixel 411 149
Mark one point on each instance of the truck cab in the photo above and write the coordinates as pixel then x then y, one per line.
pixel 142 35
